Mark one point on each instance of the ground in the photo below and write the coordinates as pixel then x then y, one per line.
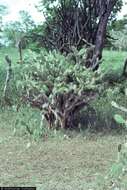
pixel 54 164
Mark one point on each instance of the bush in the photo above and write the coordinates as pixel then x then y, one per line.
pixel 98 115
pixel 120 42
pixel 57 85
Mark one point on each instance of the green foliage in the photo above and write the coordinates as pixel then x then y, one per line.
pixel 56 82
pixel 14 31
pixel 121 39
pixel 119 25
pixel 52 73
pixel 51 4
pixel 51 83
pixel 118 31
pixel 28 122
pixel 119 119
pixel 103 115
pixel 117 173
pixel 13 93
pixel 3 10
pixel 26 22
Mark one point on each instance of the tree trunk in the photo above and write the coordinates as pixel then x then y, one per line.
pixel 101 33
pixel 20 51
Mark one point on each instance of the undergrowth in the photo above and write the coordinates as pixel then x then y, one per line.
pixel 100 114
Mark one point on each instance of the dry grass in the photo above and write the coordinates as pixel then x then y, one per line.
pixel 54 164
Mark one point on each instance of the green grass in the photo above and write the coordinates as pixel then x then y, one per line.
pixel 113 60
pixel 12 52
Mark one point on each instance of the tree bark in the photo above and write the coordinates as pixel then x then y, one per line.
pixel 20 51
pixel 101 33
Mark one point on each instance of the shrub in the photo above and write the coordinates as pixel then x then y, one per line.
pixel 57 85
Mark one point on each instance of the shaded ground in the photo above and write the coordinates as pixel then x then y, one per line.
pixel 54 164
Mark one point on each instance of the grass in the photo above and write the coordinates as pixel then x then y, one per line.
pixel 12 52
pixel 113 61
pixel 114 57
pixel 54 164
